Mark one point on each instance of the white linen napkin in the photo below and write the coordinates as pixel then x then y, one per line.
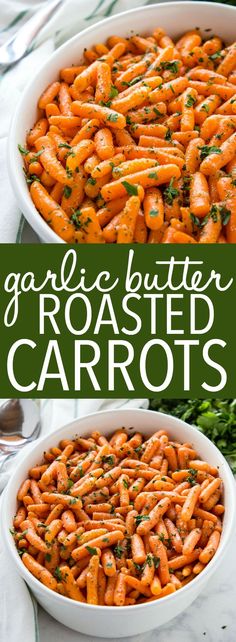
pixel 71 18
pixel 14 594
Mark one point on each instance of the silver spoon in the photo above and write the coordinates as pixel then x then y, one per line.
pixel 19 425
pixel 17 46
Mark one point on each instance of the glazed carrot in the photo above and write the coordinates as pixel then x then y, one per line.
pixel 127 221
pixel 138 550
pixel 168 90
pixel 39 129
pixel 159 551
pixel 211 547
pixel 206 107
pixel 199 195
pixel 48 95
pixel 190 502
pixel 131 101
pixel 214 161
pixel 51 212
pixel 104 144
pixel 103 82
pixel 161 175
pixel 68 521
pixel 108 562
pixel 42 574
pixel 78 154
pixel 92 580
pixel 153 209
pixel 174 535
pixel 191 541
pixel 104 114
pixel 192 155
pixel 228 64
pixel 189 99
pixel 72 589
pixel 101 542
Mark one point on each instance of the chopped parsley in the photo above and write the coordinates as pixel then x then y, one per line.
pixel 67 191
pixel 205 150
pixel 205 108
pixel 156 111
pixel 190 101
pixel 57 573
pixel 215 56
pixel 23 150
pixel 48 557
pixel 113 118
pixel 168 135
pixel 153 213
pixel 170 192
pixel 118 550
pixel 222 211
pixel 153 175
pixel 125 483
pixel 169 66
pixel 91 181
pixel 108 459
pixel 66 145
pixel 91 550
pixel 75 219
pixel 132 190
pixel 141 518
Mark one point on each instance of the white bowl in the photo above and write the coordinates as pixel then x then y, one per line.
pixel 175 17
pixel 106 621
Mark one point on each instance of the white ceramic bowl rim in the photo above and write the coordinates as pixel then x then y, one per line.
pixel 213 564
pixel 14 166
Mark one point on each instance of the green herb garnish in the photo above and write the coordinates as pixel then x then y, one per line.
pixel 132 190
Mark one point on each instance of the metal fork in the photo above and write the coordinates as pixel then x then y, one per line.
pixel 17 46
pixel 19 425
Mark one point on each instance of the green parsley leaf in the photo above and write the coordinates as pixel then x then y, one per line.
pixel 118 550
pixel 153 213
pixel 132 190
pixel 168 135
pixel 157 112
pixel 169 66
pixel 108 459
pixel 23 150
pixel 153 175
pixel 57 573
pixel 190 101
pixel 114 92
pixel 170 192
pixel 215 55
pixel 205 150
pixel 91 181
pixel 112 118
pixel 66 145
pixel 141 518
pixel 67 191
pixel 205 108
pixel 91 550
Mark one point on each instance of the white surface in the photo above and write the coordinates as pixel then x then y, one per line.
pixel 134 619
pixel 212 610
pixel 174 17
